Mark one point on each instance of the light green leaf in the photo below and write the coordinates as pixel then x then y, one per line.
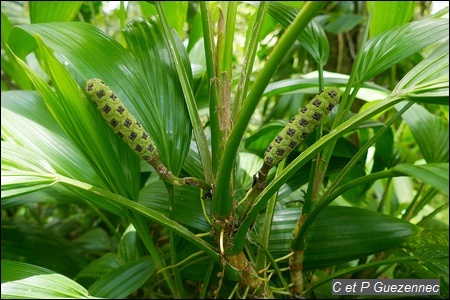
pixel 127 245
pixel 427 81
pixel 435 174
pixel 53 11
pixel 124 280
pixel 387 49
pixel 309 85
pixel 20 280
pixel 388 14
pixel 77 115
pixel 26 121
pixel 176 13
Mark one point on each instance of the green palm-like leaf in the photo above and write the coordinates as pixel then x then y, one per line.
pixel 21 280
pixel 124 280
pixel 83 60
pixel 428 80
pixel 341 234
pixel 27 122
pixel 386 49
pixel 36 151
pixel 313 38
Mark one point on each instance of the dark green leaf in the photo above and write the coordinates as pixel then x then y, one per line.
pixel 340 234
pixel 124 280
pixel 39 246
pixel 343 23
pixel 100 266
pixel 187 208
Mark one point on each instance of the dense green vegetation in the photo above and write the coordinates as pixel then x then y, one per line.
pixel 190 202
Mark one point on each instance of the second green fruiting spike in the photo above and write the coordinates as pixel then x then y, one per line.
pixel 301 125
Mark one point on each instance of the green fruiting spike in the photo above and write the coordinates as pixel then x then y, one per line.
pixel 128 128
pixel 300 126
pixel 121 120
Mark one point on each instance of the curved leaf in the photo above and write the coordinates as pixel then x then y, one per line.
pixel 124 280
pixel 340 234
pixel 27 122
pixel 427 81
pixel 21 280
pixel 386 49
pixel 77 116
pixel 309 85
pixel 435 174
pixel 127 245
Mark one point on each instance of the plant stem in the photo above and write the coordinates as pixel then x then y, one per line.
pixel 316 174
pixel 249 59
pixel 210 68
pixel 265 233
pixel 222 206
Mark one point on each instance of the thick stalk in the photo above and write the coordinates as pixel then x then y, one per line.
pixel 261 259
